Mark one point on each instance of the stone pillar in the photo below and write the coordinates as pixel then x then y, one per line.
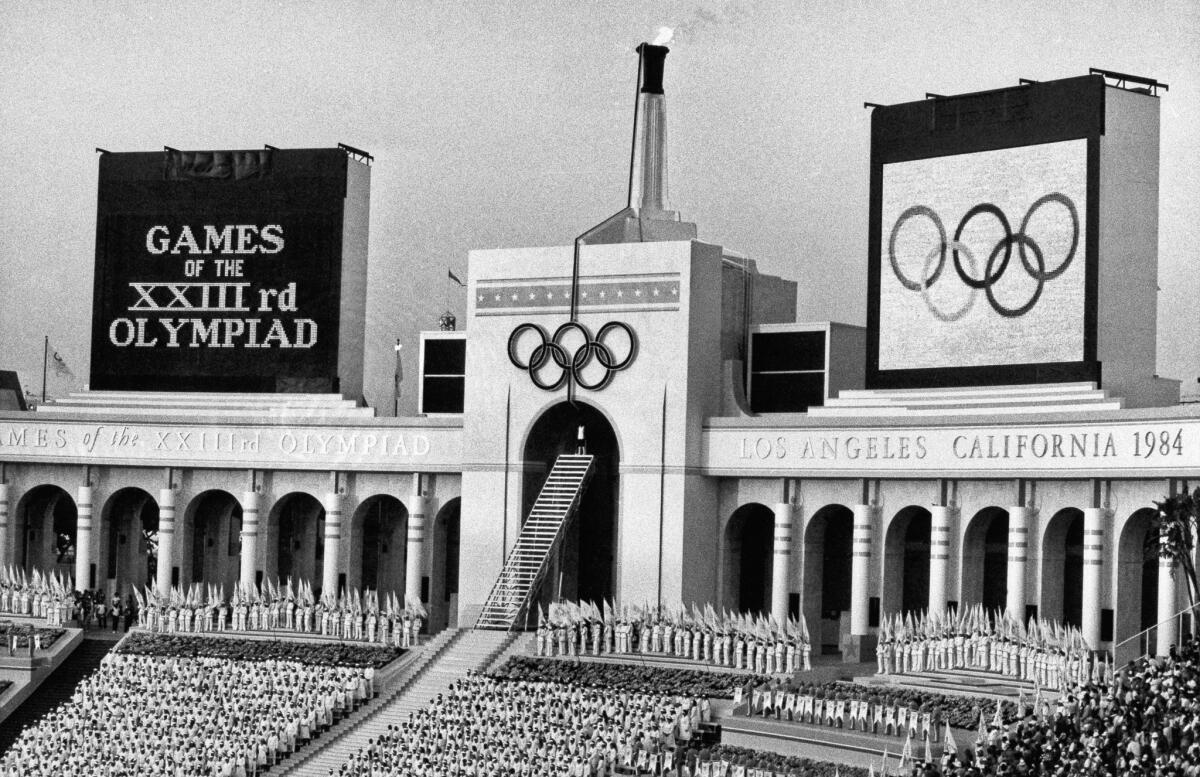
pixel 5 555
pixel 249 558
pixel 1167 633
pixel 941 518
pixel 860 574
pixel 166 540
pixel 414 553
pixel 83 536
pixel 333 543
pixel 781 566
pixel 1018 554
pixel 1093 573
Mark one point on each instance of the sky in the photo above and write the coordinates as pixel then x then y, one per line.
pixel 507 124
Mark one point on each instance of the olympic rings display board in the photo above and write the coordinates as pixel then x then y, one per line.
pixel 982 258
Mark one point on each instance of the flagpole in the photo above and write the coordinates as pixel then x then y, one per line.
pixel 396 382
pixel 45 358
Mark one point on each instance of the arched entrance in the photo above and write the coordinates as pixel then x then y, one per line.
pixel 1137 577
pixel 213 542
pixel 443 594
pixel 828 552
pixel 985 559
pixel 585 563
pixel 46 518
pixel 748 545
pixel 130 530
pixel 906 562
pixel 1062 567
pixel 382 522
pixel 299 522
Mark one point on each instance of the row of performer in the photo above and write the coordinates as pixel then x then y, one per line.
pixel 740 641
pixel 1047 654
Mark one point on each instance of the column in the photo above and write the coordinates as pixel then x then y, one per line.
pixel 1093 573
pixel 1018 553
pixel 1168 606
pixel 781 567
pixel 333 543
pixel 166 540
pixel 860 570
pixel 4 553
pixel 249 558
pixel 414 553
pixel 83 536
pixel 941 517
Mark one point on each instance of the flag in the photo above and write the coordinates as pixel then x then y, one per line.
pixel 949 745
pixel 455 278
pixel 59 364
pixel 906 756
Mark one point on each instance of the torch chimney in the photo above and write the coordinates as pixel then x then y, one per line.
pixel 648 184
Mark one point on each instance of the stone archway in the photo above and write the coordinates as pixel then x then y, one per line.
pixel 129 521
pixel 985 559
pixel 906 562
pixel 828 556
pixel 298 520
pixel 46 520
pixel 586 562
pixel 443 585
pixel 749 543
pixel 212 540
pixel 1137 577
pixel 1062 567
pixel 381 523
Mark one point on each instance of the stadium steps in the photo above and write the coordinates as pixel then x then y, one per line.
pixel 981 400
pixel 465 651
pixel 301 762
pixel 55 689
pixel 526 563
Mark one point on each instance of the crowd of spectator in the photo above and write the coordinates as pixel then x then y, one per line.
pixel 157 709
pixel 1145 722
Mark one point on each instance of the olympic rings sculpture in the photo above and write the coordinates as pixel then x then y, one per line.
pixel 997 261
pixel 572 365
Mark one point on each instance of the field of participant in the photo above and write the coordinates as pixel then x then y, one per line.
pixel 165 708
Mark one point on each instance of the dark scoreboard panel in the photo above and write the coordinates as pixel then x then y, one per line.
pixel 983 244
pixel 219 271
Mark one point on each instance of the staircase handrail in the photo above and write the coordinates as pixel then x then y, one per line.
pixel 1128 639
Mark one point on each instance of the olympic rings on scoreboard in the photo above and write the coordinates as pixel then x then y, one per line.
pixel 572 366
pixel 997 261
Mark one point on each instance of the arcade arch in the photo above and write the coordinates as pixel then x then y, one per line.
pixel 985 559
pixel 46 521
pixel 749 536
pixel 586 575
pixel 828 553
pixel 129 528
pixel 212 540
pixel 1137 576
pixel 298 524
pixel 906 562
pixel 381 524
pixel 443 593
pixel 1062 567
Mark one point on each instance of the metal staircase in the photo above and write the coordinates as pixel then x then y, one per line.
pixel 526 563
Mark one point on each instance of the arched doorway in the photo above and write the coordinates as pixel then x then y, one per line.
pixel 1137 577
pixel 443 594
pixel 828 553
pixel 1062 567
pixel 382 522
pixel 47 518
pixel 985 559
pixel 585 563
pixel 299 521
pixel 130 521
pixel 748 555
pixel 906 562
pixel 212 540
